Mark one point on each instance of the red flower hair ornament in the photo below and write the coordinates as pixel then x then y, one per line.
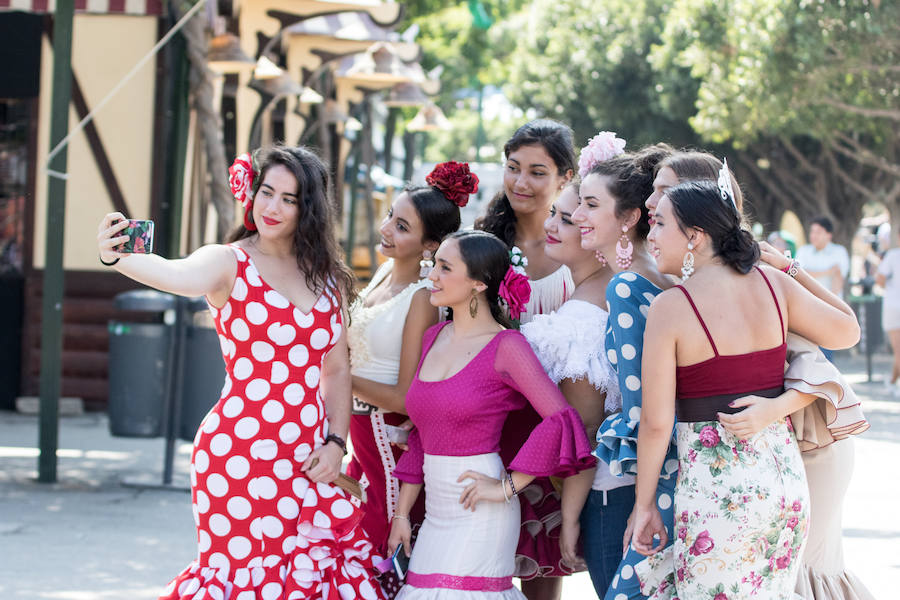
pixel 240 179
pixel 454 180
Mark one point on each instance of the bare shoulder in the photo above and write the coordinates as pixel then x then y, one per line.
pixel 668 307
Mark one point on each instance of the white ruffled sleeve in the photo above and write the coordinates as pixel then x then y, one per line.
pixel 570 345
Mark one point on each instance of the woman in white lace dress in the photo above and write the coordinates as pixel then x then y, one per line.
pixel 387 322
pixel 569 343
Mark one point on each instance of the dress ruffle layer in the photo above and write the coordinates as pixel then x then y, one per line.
pixel 554 449
pixel 330 552
pixel 836 414
pixel 538 553
pixel 843 586
pixel 578 354
pixel 617 445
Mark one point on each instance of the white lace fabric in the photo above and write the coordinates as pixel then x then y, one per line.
pixel 569 342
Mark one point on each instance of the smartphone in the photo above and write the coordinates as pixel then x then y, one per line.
pixel 396 435
pixel 140 237
pixel 400 562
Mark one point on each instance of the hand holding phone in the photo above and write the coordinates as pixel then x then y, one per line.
pixel 140 237
pixel 400 562
pixel 396 435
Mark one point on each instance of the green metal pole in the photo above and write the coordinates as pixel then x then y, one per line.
pixel 51 311
pixel 178 143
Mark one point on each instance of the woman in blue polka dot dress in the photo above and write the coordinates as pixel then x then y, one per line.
pixel 615 223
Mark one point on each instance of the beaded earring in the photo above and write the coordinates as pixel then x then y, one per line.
pixel 426 264
pixel 601 259
pixel 624 250
pixel 687 264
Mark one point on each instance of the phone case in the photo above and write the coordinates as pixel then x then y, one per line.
pixel 400 562
pixel 396 435
pixel 140 234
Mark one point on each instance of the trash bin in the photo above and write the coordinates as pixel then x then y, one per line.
pixel 868 311
pixel 138 366
pixel 204 374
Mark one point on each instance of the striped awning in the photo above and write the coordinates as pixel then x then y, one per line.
pixel 106 7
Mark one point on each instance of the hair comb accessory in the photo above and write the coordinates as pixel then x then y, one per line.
pixel 454 180
pixel 602 147
pixel 515 291
pixel 518 260
pixel 725 184
pixel 241 176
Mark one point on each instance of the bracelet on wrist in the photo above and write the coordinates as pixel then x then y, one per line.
pixel 512 486
pixel 404 517
pixel 503 487
pixel 792 269
pixel 333 437
pixel 108 264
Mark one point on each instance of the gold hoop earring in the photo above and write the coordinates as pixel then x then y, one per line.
pixel 473 304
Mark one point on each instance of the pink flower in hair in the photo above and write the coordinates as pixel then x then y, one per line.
pixel 515 291
pixel 603 146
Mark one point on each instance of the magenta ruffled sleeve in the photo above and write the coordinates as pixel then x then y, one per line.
pixel 558 445
pixel 409 467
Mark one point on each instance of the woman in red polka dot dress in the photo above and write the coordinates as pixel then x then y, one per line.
pixel 270 523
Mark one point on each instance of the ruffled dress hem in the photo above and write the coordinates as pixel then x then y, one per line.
pixel 841 586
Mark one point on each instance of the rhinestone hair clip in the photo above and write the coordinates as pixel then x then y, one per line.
pixel 725 184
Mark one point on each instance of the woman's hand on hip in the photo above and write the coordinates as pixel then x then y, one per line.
pixel 483 488
pixel 755 416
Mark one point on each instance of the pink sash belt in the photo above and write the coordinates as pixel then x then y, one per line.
pixel 459 582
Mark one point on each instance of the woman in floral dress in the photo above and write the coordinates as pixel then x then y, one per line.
pixel 741 505
pixel 271 525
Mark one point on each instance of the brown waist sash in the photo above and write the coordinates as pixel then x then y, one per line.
pixel 694 410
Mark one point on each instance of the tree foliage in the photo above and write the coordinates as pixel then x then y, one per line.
pixel 804 94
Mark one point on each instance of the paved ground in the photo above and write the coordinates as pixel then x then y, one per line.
pixel 89 537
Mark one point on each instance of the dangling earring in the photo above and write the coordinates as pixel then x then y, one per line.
pixel 473 304
pixel 624 250
pixel 687 265
pixel 601 259
pixel 426 264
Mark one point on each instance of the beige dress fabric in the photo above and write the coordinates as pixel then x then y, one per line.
pixel 822 430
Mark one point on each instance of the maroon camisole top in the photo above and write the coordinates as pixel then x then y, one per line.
pixel 704 389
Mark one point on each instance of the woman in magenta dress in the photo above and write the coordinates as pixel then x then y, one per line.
pixel 387 322
pixel 270 524
pixel 540 161
pixel 473 372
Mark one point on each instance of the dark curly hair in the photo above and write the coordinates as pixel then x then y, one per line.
pixel 557 140
pixel 699 205
pixel 630 181
pixel 315 246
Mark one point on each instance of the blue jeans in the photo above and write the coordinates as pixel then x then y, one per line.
pixel 603 520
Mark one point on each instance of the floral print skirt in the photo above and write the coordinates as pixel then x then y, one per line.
pixel 741 513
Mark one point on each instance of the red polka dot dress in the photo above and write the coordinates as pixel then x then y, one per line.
pixel 264 530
